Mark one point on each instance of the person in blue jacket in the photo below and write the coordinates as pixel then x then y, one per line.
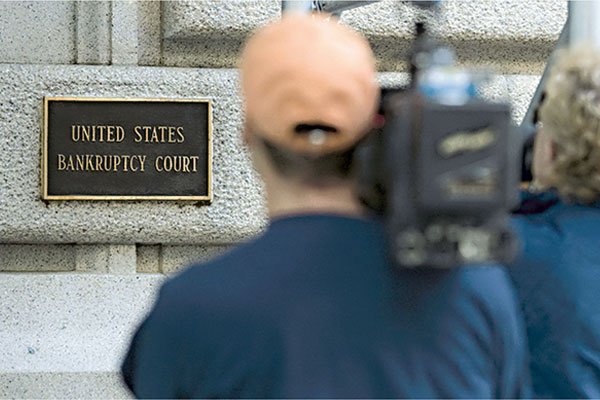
pixel 313 307
pixel 557 275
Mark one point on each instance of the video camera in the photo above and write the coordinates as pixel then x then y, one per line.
pixel 444 169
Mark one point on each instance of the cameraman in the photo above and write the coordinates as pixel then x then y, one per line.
pixel 558 275
pixel 313 308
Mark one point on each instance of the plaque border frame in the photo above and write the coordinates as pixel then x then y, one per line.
pixel 44 153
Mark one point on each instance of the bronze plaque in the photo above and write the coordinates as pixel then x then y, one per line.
pixel 126 149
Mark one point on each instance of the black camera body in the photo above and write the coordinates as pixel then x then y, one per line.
pixel 444 177
pixel 444 170
pixel 457 175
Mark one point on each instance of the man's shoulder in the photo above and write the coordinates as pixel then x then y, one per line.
pixel 488 281
pixel 489 288
pixel 217 279
pixel 547 213
pixel 538 214
pixel 469 291
pixel 482 276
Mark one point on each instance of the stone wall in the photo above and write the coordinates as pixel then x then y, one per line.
pixel 76 276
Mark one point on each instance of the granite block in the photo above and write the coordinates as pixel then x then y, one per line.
pixel 122 259
pixel 93 32
pixel 176 258
pixel 63 385
pixel 70 322
pixel 512 36
pixel 37 32
pixel 91 258
pixel 148 259
pixel 124 34
pixel 37 257
pixel 149 32
pixel 192 18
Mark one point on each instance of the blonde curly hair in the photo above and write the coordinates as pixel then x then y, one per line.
pixel 570 115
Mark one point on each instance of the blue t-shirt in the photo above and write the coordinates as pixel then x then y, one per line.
pixel 557 278
pixel 314 309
